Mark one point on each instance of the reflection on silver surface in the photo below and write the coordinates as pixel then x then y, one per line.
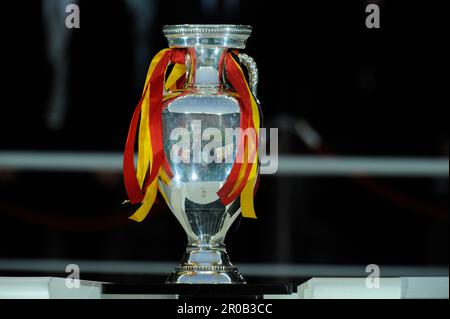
pixel 205 35
pixel 192 193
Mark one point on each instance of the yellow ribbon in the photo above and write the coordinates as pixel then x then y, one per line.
pixel 145 153
pixel 177 72
pixel 247 195
pixel 147 203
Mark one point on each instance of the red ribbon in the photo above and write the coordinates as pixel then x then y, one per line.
pixel 156 82
pixel 155 95
pixel 239 83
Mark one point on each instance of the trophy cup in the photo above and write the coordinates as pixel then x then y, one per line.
pixel 206 186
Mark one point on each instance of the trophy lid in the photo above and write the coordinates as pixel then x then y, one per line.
pixel 214 35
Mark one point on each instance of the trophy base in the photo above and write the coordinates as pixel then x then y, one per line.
pixel 205 264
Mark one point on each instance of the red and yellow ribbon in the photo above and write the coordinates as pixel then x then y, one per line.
pixel 141 183
pixel 243 176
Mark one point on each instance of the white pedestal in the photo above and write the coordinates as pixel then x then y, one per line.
pixel 387 288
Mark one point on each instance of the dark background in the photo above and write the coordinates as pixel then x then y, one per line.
pixel 367 92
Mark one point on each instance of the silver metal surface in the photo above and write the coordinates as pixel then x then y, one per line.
pixel 192 35
pixel 253 73
pixel 206 264
pixel 192 193
pixel 206 68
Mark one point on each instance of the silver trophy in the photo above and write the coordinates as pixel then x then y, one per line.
pixel 192 193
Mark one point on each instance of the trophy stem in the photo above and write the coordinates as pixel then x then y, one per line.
pixel 205 67
pixel 206 264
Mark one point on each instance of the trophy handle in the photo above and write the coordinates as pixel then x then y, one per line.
pixel 252 70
